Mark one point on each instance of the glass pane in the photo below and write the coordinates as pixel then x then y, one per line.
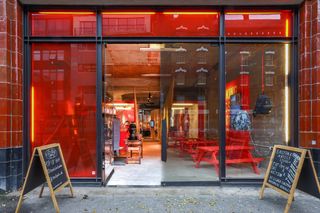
pixel 158 87
pixel 50 23
pixel 190 88
pixel 63 103
pixel 258 23
pixel 257 104
pixel 173 23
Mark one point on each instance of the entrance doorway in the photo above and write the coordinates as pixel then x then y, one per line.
pixel 166 95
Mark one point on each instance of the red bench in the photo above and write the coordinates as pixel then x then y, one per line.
pixel 210 154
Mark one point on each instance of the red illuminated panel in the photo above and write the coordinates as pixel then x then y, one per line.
pixel 64 103
pixel 258 24
pixel 53 23
pixel 168 23
pixel 190 23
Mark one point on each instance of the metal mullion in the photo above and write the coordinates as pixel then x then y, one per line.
pixel 99 133
pixel 222 103
pixel 26 97
pixel 294 127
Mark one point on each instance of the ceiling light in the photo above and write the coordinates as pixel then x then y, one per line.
pixel 65 13
pixel 189 13
pixel 182 104
pixel 129 13
pixel 155 75
pixel 177 108
pixel 120 104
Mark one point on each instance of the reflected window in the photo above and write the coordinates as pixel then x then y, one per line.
pixel 256 106
pixel 63 23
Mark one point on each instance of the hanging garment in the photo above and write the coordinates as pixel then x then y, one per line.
pixel 240 120
pixel 116 134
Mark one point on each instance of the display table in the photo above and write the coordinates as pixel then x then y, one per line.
pixel 210 154
pixel 134 150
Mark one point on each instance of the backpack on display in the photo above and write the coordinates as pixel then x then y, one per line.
pixel 263 105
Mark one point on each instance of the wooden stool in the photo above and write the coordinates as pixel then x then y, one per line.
pixel 134 150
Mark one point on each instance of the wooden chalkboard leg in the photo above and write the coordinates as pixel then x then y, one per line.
pixel 19 203
pixel 41 191
pixel 286 210
pixel 55 203
pixel 262 191
pixel 71 189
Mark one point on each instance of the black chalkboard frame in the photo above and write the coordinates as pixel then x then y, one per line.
pixel 296 178
pixel 29 186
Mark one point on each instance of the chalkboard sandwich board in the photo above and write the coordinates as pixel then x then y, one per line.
pixel 47 165
pixel 284 170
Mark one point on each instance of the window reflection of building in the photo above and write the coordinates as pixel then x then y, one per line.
pixel 202 53
pixel 131 24
pixel 269 68
pixel 60 24
pixel 87 28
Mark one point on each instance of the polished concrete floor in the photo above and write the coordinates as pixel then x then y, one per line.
pixel 149 172
pixel 152 171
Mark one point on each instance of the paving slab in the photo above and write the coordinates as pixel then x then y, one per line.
pixel 228 199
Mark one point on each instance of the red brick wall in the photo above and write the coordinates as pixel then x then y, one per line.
pixel 309 74
pixel 10 74
pixel 10 95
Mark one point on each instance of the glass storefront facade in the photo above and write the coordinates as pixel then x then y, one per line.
pixel 221 81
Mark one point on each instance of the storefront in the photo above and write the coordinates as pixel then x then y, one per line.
pixel 214 86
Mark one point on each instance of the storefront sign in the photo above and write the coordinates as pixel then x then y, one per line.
pixel 284 170
pixel 47 166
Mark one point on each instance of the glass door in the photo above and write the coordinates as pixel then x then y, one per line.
pixel 170 93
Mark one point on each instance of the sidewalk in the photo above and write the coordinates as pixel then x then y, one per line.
pixel 163 199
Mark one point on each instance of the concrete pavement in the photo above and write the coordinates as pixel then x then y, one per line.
pixel 162 199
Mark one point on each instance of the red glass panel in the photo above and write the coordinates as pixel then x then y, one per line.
pixel 197 24
pixel 63 103
pixel 137 24
pixel 258 24
pixel 48 23
pixel 129 23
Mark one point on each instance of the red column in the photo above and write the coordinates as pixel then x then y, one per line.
pixel 11 93
pixel 309 74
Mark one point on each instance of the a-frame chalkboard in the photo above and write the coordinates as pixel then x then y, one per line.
pixel 284 171
pixel 47 165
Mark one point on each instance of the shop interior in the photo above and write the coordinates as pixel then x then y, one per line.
pixel 147 86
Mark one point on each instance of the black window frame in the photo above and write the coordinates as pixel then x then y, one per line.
pixel 100 41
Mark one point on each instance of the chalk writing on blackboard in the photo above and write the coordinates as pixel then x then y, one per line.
pixel 54 166
pixel 283 169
